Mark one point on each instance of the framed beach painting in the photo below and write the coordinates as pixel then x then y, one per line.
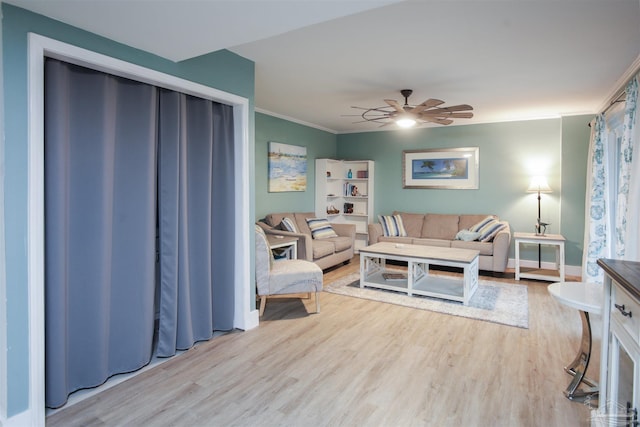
pixel 287 167
pixel 446 168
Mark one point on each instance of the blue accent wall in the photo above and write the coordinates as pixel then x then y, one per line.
pixel 320 144
pixel 222 70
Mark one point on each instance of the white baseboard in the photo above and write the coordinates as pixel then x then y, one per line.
pixel 253 320
pixel 569 270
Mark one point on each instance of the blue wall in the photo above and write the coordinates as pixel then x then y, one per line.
pixel 223 70
pixel 320 144
pixel 510 153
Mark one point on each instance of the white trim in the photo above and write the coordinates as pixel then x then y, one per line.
pixel 294 120
pixel 621 84
pixel 39 47
pixel 3 278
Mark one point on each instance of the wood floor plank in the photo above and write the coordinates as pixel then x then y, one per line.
pixel 359 363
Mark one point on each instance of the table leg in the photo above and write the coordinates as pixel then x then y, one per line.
pixel 517 260
pixel 579 366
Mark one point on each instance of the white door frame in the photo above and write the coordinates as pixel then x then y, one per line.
pixel 41 47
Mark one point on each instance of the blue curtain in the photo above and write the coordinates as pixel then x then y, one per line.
pixel 196 220
pixel 126 163
pixel 100 198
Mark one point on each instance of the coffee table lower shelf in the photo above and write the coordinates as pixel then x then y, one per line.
pixel 430 286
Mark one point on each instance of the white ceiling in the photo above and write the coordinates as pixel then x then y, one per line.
pixel 509 59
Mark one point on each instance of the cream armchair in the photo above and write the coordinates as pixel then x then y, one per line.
pixel 284 277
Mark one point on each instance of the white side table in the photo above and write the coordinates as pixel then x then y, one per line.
pixel 288 245
pixel 587 298
pixel 556 240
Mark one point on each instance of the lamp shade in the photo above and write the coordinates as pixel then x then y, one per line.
pixel 539 184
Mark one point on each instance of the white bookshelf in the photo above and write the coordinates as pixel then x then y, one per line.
pixel 335 188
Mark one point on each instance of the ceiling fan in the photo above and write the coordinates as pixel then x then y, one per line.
pixel 407 115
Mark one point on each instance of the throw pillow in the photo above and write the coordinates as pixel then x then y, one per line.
pixel 321 228
pixel 467 236
pixel 490 229
pixel 392 225
pixel 478 226
pixel 288 225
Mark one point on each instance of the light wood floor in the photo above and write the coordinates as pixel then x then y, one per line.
pixel 359 363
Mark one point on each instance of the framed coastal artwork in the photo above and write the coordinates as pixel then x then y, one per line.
pixel 446 168
pixel 287 167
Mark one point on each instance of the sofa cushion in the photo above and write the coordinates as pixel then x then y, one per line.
pixel 341 243
pixel 485 248
pixel 275 219
pixel 412 223
pixel 322 248
pixel 440 226
pixel 300 219
pixel 433 242
pixel 289 225
pixel 407 240
pixel 392 225
pixel 321 228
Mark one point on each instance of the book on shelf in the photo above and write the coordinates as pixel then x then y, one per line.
pixel 394 276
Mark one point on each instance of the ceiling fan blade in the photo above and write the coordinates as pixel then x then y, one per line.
pixel 462 115
pixel 393 103
pixel 429 103
pixel 437 120
pixel 453 108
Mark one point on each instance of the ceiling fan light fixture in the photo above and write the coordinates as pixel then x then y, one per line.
pixel 407 116
pixel 406 122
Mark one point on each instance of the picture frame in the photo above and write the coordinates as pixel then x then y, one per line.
pixel 441 168
pixel 287 166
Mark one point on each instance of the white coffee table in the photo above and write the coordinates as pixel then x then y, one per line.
pixel 418 281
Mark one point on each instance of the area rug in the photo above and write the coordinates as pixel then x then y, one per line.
pixel 503 303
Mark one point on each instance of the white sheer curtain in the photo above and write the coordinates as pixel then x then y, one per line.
pixel 596 242
pixel 629 231
pixel 613 188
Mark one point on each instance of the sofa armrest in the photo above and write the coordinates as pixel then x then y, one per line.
pixel 305 250
pixel 501 244
pixel 346 230
pixel 375 231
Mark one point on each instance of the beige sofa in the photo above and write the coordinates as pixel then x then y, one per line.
pixel 324 252
pixel 441 229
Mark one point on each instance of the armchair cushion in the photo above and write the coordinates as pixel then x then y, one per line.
pixel 294 276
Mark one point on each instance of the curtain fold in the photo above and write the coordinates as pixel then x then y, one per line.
pixel 628 226
pixel 596 241
pixel 195 222
pixel 100 198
